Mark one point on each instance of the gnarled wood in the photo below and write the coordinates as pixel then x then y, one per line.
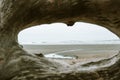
pixel 16 15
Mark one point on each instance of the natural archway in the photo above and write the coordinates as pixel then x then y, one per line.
pixel 16 15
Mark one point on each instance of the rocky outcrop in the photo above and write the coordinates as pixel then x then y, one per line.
pixel 16 15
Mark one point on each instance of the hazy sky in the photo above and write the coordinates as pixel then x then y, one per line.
pixel 60 32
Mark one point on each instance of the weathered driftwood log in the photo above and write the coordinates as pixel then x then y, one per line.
pixel 16 15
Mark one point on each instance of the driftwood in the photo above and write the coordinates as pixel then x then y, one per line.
pixel 16 15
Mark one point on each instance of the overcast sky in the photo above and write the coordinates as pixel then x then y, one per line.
pixel 58 32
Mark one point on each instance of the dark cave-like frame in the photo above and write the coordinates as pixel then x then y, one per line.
pixel 16 15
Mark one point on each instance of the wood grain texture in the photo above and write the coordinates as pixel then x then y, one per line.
pixel 16 15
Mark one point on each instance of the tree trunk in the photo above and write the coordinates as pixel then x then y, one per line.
pixel 16 15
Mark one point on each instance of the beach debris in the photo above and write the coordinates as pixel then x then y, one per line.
pixel 39 54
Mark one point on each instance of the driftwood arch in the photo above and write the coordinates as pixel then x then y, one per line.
pixel 16 15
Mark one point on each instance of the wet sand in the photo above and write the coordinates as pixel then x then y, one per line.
pixel 83 53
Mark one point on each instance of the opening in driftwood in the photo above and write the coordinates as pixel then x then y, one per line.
pixel 78 44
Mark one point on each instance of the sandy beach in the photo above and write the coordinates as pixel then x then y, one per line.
pixel 84 53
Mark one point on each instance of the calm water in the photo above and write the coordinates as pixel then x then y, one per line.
pixel 46 49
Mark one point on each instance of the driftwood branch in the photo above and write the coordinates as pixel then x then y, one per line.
pixel 16 15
